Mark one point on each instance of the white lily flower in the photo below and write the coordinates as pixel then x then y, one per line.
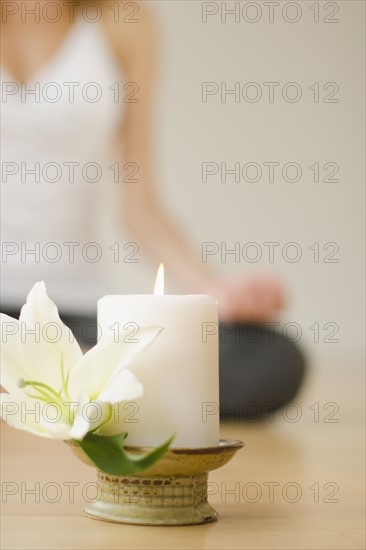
pixel 53 389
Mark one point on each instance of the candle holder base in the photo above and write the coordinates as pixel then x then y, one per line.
pixel 172 492
pixel 153 500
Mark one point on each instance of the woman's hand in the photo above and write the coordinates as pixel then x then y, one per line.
pixel 250 298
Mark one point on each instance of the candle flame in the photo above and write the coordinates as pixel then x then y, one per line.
pixel 159 283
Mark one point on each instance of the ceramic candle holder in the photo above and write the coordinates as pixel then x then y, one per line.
pixel 172 492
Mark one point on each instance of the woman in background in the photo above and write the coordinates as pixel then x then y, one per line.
pixel 58 131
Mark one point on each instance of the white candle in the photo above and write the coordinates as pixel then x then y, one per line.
pixel 179 371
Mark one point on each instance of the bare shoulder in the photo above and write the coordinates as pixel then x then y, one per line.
pixel 130 27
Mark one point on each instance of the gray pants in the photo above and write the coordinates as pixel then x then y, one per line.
pixel 260 370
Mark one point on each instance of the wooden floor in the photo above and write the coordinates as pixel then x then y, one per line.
pixel 294 485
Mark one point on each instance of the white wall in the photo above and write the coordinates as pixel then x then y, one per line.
pixel 190 132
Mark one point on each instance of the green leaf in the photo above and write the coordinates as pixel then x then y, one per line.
pixel 108 454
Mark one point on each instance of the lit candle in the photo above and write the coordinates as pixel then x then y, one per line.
pixel 179 371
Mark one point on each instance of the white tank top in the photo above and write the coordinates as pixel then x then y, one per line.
pixel 58 146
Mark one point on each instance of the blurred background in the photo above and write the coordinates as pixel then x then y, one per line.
pixel 258 148
pixel 325 219
pixel 259 157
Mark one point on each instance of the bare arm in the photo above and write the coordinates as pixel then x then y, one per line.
pixel 142 213
pixel 249 298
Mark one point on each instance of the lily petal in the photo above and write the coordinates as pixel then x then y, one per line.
pixel 94 371
pixel 50 341
pixel 13 366
pixel 88 418
pixel 122 386
pixel 24 414
pixel 122 389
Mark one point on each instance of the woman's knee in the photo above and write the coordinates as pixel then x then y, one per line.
pixel 260 370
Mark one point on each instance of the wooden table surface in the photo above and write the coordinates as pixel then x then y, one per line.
pixel 296 484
